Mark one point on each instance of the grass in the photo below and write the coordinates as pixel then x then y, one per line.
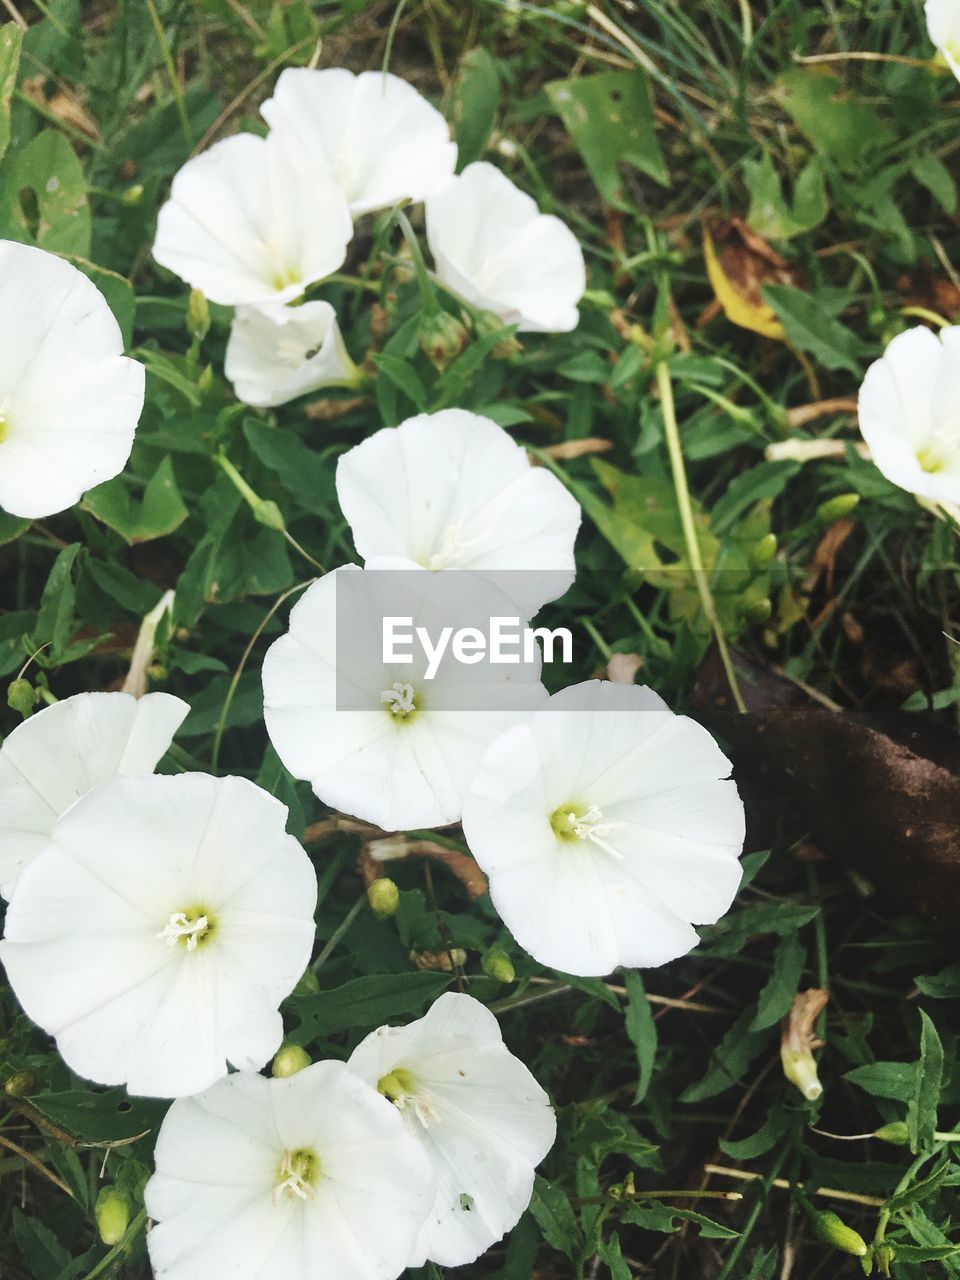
pixel 825 586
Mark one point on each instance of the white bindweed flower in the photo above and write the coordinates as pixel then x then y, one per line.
pixel 606 825
pixel 381 740
pixel 310 1177
pixel 248 226
pixel 70 399
pixel 373 134
pixel 910 413
pixel 156 934
pixel 943 24
pixel 276 354
pixel 452 490
pixel 479 1114
pixel 59 754
pixel 494 248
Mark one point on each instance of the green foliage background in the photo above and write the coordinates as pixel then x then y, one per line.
pixel 636 123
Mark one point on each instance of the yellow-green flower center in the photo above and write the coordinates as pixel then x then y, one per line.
pixel 396 1084
pixel 931 460
pixel 191 928
pixel 297 1175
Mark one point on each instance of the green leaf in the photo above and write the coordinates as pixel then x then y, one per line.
pixel 837 123
pixel 475 100
pixel 100 1115
pixel 894 1080
pixel 55 616
pixel 365 1002
pixel 554 1214
pixel 770 215
pixel 610 1252
pixel 11 38
pixel 404 377
pixel 300 469
pixel 759 1143
pixel 44 197
pixel 641 1029
pixel 922 1111
pixel 610 117
pixel 11 527
pixel 765 480
pixel 810 328
pixel 731 1058
pixel 160 511
pixel 117 290
pixel 651 1215
pixel 41 1250
pixel 933 174
pixel 777 996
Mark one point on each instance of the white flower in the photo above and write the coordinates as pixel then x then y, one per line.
pixel 247 226
pixel 70 399
pixel 479 1114
pixel 606 824
pixel 311 1177
pixel 373 134
pixel 943 24
pixel 276 354
pixel 910 413
pixel 380 740
pixel 59 754
pixel 156 934
pixel 453 490
pixel 495 249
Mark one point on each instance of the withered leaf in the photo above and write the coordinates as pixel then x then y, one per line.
pixel 739 263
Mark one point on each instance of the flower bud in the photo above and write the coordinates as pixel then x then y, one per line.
pixel 896 1133
pixel 112 1212
pixel 797 1042
pixel 384 898
pixel 198 316
pixel 763 551
pixel 132 196
pixel 838 507
pixel 831 1229
pixel 800 1068
pixel 308 985
pixel 21 1084
pixel 755 605
pixel 442 338
pixel 205 380
pixel 21 696
pixel 883 1255
pixel 268 513
pixel 488 323
pixel 290 1059
pixel 497 964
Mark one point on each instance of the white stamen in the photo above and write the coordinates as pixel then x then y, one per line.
pixel 423 1108
pixel 592 827
pixel 453 547
pixel 399 698
pixel 179 926
pixel 294 1184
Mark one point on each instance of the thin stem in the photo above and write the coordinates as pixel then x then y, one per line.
pixel 339 932
pixel 172 74
pixel 864 55
pixel 657 1195
pixel 675 450
pixel 428 292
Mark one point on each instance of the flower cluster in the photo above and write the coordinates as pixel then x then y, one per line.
pixel 253 222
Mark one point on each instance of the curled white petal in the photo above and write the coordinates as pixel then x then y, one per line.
pixel 70 399
pixel 312 1177
pixel 277 353
pixel 247 226
pixel 608 827
pixel 59 754
pixel 98 936
pixel 477 1111
pixel 374 134
pixel 494 248
pixel 453 490
pixel 908 412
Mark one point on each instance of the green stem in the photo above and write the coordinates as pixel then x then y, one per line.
pixel 428 292
pixel 172 75
pixel 672 433
pixel 339 932
pixel 120 1248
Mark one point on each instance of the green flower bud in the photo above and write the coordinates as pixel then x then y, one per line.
pixel 21 1084
pixel 132 196
pixel 112 1212
pixel 21 696
pixel 838 507
pixel 497 964
pixel 205 380
pixel 488 323
pixel 831 1229
pixel 883 1255
pixel 290 1059
pixel 308 985
pixel 268 513
pixel 198 315
pixel 384 898
pixel 442 338
pixel 895 1133
pixel 755 605
pixel 763 551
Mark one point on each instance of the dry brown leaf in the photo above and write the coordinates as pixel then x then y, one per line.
pixel 739 262
pixel 459 864
pixel 570 449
